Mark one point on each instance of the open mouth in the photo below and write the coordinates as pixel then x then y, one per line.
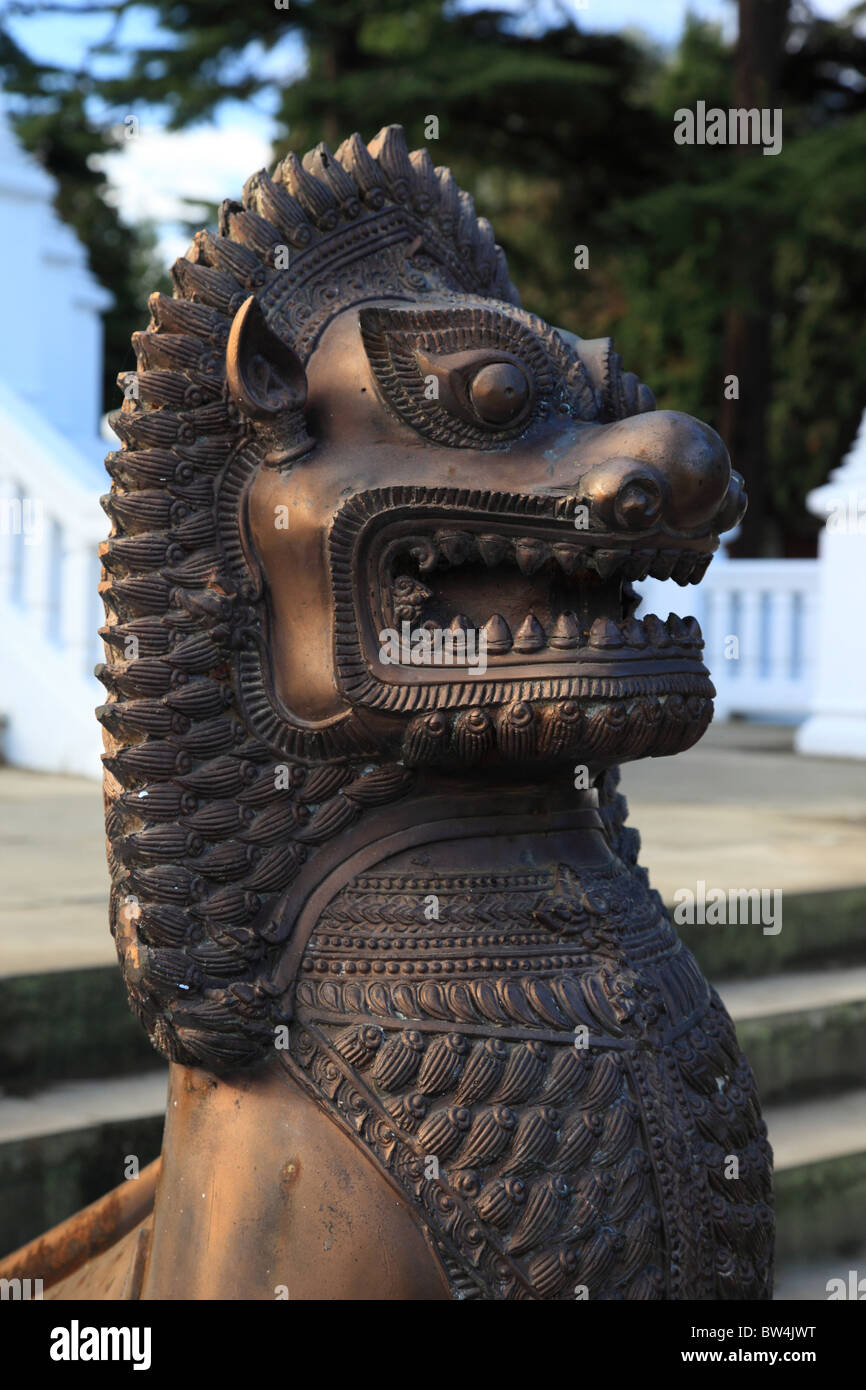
pixel 541 611
pixel 533 599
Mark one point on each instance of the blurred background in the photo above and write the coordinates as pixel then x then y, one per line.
pixel 733 282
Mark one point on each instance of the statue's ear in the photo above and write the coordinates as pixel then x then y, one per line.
pixel 266 377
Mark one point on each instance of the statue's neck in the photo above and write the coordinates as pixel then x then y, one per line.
pixel 444 823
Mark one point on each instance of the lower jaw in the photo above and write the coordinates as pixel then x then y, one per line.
pixel 588 677
pixel 591 732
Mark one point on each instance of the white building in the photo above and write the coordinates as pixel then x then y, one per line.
pixel 51 477
pixel 836 727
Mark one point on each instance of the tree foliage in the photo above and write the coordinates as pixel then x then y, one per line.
pixel 566 138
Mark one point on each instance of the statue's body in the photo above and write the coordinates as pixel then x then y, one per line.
pixel 432 1035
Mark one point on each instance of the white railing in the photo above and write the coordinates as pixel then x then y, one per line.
pixel 50 527
pixel 758 618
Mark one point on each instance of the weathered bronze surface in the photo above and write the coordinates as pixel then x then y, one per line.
pixel 432 1034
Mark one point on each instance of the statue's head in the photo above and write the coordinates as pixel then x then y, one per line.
pixel 372 522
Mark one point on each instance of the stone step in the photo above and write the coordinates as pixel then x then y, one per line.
pixel 795 993
pixel 814 1280
pixel 817 1131
pixel 739 808
pixel 822 930
pixel 68 1025
pixel 820 1165
pixel 803 1033
pixel 82 1104
pixel 65 1146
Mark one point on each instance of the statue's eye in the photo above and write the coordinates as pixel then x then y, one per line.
pixel 499 393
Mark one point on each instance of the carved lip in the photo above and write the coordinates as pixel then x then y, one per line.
pixel 556 605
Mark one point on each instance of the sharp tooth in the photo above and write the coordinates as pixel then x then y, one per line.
pixel 663 565
pixel 684 567
pixel 498 635
pixel 694 636
pixel 460 623
pixel 633 632
pixel 605 633
pixel 638 564
pixel 607 562
pixel 700 568
pixel 530 635
pixel 530 555
pixel 656 631
pixel 565 632
pixel 425 553
pixel 456 545
pixel 676 628
pixel 494 549
pixel 570 558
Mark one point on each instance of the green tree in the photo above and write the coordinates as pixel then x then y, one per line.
pixel 565 138
pixel 687 267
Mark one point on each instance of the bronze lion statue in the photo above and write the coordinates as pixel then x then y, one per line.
pixel 372 662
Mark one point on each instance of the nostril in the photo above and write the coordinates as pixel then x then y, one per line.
pixel 627 494
pixel 638 503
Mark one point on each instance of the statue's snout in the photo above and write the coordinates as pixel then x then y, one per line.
pixel 662 469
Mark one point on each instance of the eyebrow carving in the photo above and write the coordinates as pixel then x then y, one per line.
pixel 402 344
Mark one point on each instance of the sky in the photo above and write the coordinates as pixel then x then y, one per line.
pixel 156 169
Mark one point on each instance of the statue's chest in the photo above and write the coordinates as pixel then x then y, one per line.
pixel 508 1047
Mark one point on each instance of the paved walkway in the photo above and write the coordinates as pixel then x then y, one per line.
pixel 739 810
pixel 742 810
pixel 54 907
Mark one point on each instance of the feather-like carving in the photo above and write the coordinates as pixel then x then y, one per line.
pixel 311 194
pixel 489 1135
pixel 568 1074
pixel 443 1130
pixel 579 1140
pixel 605 1083
pixel 327 170
pixel 501 1200
pixel 547 1199
pixel 443 1063
pixel 398 1060
pixel 473 736
pixel 523 1072
pixel 359 1044
pixel 552 1271
pixel 534 1140
pixel 482 1072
